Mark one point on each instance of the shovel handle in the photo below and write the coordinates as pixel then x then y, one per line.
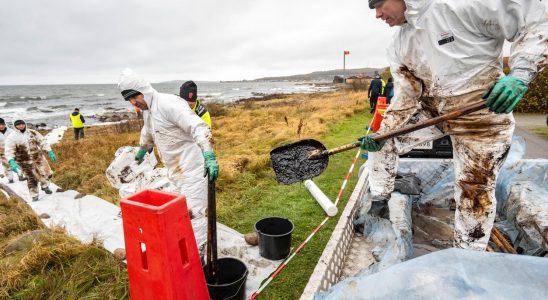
pixel 420 125
pixel 211 265
pixel 434 121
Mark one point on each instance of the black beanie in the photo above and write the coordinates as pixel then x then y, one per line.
pixel 17 122
pixel 127 94
pixel 2 122
pixel 372 3
pixel 189 91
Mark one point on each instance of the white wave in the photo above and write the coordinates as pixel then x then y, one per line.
pixel 100 95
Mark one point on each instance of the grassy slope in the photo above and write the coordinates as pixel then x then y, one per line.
pixel 270 199
pixel 54 266
pixel 247 191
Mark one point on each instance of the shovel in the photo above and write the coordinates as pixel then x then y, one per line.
pixel 307 159
pixel 212 269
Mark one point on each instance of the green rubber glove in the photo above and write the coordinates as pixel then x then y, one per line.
pixel 211 165
pixel 505 95
pixel 370 145
pixel 140 156
pixel 52 156
pixel 13 166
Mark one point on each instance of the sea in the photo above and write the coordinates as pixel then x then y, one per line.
pixel 52 104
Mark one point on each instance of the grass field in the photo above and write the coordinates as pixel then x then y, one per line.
pixel 542 131
pixel 244 135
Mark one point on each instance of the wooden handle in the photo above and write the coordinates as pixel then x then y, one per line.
pixel 426 123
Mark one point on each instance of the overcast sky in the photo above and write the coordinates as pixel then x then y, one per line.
pixel 91 41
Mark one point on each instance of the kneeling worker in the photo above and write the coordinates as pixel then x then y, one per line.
pixel 183 141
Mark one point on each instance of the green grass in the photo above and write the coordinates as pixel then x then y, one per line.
pixel 261 197
pixel 542 131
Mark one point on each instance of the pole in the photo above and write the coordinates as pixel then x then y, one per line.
pixel 344 66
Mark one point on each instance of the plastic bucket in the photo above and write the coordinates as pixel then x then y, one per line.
pixel 274 237
pixel 232 278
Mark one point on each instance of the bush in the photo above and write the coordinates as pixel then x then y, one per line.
pixel 536 99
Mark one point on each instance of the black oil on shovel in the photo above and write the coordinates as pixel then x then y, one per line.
pixel 307 159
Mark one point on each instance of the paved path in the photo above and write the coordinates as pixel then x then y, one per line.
pixel 537 146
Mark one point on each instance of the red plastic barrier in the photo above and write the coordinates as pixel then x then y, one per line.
pixel 379 116
pixel 381 100
pixel 162 256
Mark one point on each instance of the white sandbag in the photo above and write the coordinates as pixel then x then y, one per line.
pixel 124 169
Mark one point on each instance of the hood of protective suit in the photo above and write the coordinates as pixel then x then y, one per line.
pixel 415 9
pixel 130 80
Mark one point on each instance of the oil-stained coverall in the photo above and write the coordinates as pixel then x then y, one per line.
pixel 27 148
pixel 7 171
pixel 446 56
pixel 180 137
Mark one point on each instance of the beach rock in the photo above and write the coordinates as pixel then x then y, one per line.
pixel 25 241
pixel 44 216
pixel 251 238
pixel 120 253
pixel 4 201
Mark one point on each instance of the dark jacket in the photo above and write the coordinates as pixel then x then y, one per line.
pixel 375 87
pixel 388 88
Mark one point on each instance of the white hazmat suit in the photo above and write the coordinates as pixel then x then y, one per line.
pixel 6 167
pixel 180 137
pixel 446 56
pixel 27 149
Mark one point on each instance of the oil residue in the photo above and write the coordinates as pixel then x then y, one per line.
pixel 291 163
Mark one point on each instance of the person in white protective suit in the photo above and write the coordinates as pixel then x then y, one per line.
pixel 5 131
pixel 183 141
pixel 25 151
pixel 447 54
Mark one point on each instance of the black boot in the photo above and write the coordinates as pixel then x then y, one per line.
pixel 35 198
pixel 47 190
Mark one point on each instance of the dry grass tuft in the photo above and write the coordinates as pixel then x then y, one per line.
pixel 52 265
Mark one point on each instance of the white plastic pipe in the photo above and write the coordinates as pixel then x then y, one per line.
pixel 328 206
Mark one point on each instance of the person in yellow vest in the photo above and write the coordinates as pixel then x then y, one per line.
pixel 78 123
pixel 189 92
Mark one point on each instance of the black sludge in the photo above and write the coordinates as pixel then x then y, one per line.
pixel 291 163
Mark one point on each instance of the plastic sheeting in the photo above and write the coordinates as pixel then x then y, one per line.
pixel 56 135
pixel 391 241
pixel 451 274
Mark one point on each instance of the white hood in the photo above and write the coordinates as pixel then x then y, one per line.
pixel 130 80
pixel 415 9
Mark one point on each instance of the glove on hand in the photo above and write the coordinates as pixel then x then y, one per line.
pixel 52 156
pixel 505 95
pixel 140 156
pixel 211 165
pixel 370 145
pixel 13 166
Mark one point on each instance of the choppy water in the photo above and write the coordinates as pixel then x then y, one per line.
pixel 52 104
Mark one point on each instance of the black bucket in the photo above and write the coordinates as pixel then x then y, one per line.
pixel 274 237
pixel 232 278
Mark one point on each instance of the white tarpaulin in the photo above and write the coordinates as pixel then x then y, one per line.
pixel 451 274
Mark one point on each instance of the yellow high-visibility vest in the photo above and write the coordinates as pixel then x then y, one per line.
pixel 202 112
pixel 76 121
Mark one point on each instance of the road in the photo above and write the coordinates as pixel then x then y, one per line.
pixel 537 146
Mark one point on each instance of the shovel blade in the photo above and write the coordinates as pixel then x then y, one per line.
pixel 291 163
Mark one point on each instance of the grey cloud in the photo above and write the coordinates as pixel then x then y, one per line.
pixel 91 41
